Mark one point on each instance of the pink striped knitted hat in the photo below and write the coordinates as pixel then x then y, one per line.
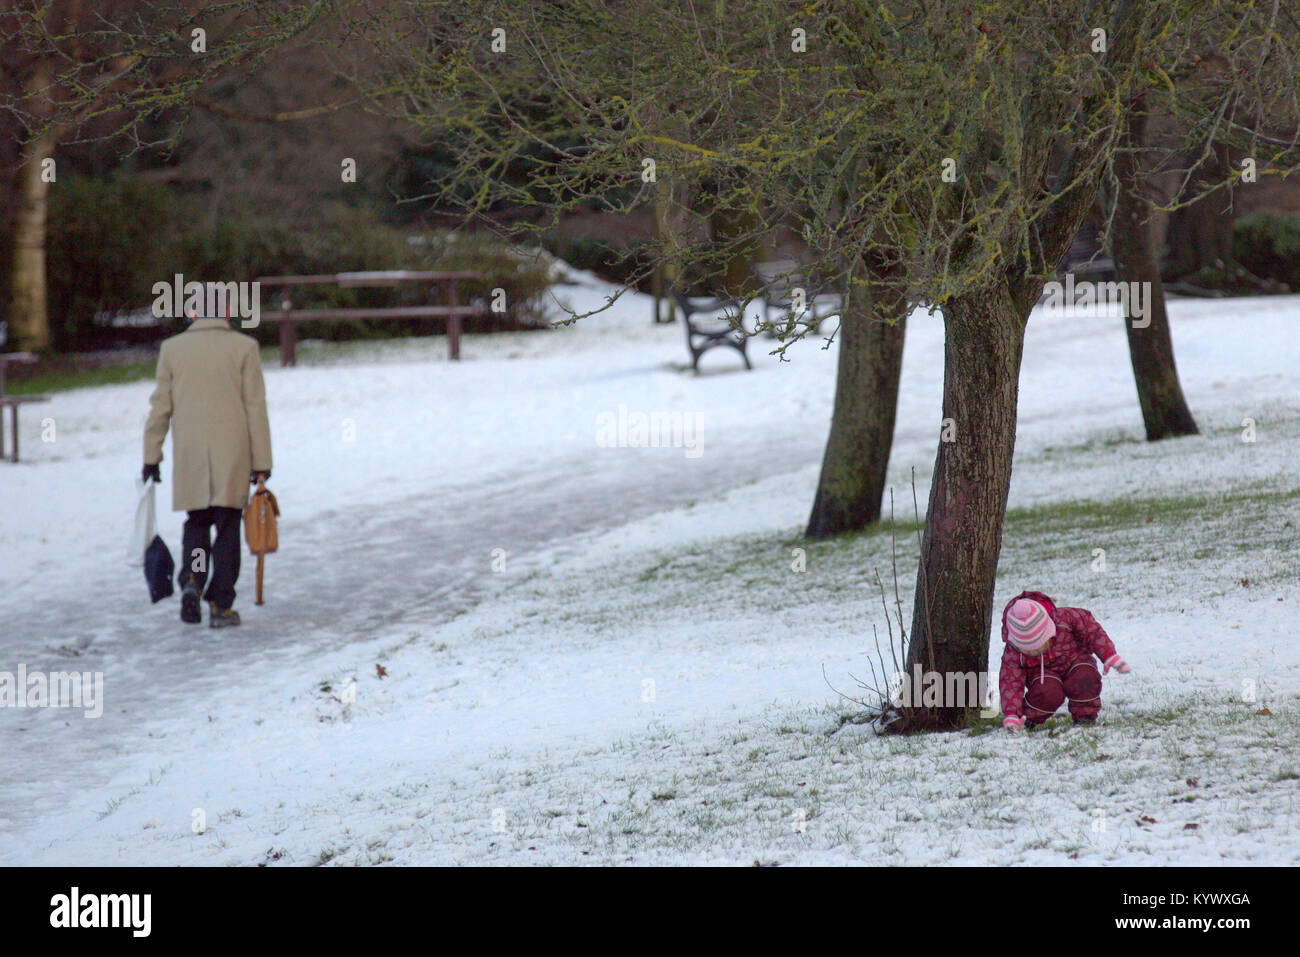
pixel 1029 626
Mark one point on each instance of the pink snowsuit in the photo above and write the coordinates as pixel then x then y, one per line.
pixel 1034 687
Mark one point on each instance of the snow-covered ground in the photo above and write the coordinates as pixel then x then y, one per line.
pixel 490 637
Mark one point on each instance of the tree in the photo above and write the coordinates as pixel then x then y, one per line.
pixel 75 70
pixel 1217 105
pixel 851 485
pixel 1151 348
pixel 979 133
pixel 29 325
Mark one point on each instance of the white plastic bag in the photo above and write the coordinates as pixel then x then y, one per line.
pixel 146 523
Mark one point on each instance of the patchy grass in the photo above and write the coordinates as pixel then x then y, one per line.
pixel 63 373
pixel 1180 767
pixel 63 379
pixel 1112 793
pixel 1190 776
pixel 1157 548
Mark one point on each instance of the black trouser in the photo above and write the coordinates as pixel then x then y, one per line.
pixel 201 555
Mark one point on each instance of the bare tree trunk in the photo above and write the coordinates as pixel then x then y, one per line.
pixel 984 339
pixel 29 318
pixel 852 483
pixel 28 313
pixel 664 271
pixel 1151 349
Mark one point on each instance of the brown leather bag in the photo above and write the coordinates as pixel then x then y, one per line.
pixel 260 528
pixel 259 521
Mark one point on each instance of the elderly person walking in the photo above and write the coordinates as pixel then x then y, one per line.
pixel 210 390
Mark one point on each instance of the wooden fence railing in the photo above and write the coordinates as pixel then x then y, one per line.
pixel 453 312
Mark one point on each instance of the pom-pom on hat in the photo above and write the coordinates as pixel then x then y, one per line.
pixel 1029 626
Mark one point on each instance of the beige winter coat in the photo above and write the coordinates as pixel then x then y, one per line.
pixel 210 390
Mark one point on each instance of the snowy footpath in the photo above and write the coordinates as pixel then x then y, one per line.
pixel 498 633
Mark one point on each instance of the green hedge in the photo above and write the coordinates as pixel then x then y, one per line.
pixel 1268 244
pixel 110 240
pixel 105 247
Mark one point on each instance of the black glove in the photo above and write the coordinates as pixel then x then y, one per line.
pixel 150 472
pixel 252 477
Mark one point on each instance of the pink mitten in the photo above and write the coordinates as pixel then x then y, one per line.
pixel 1013 722
pixel 1118 663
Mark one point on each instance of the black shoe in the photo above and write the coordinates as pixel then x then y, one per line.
pixel 190 613
pixel 221 617
pixel 1085 720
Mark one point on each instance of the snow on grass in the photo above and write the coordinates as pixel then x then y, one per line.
pixel 781 788
pixel 1182 768
pixel 670 689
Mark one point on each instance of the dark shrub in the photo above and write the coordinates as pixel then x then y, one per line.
pixel 105 249
pixel 623 263
pixel 110 240
pixel 1268 244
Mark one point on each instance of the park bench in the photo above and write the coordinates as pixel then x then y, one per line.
pixel 777 280
pixel 703 335
pixel 14 402
pixel 453 312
